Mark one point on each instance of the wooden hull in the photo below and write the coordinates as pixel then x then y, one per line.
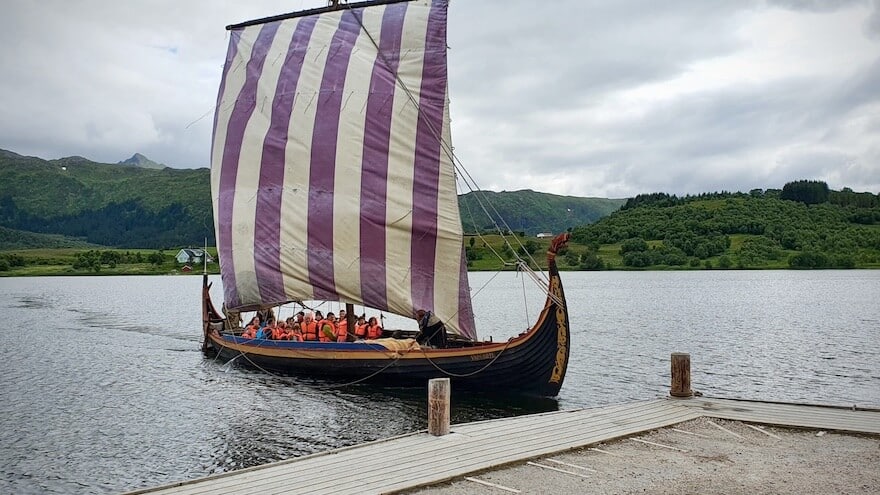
pixel 533 363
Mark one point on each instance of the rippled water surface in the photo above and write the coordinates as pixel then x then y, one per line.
pixel 104 388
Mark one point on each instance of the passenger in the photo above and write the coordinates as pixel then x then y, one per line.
pixel 280 331
pixel 342 326
pixel 327 328
pixel 309 328
pixel 265 314
pixel 267 331
pixel 300 317
pixel 342 331
pixel 319 316
pixel 374 331
pixel 251 331
pixel 295 333
pixel 360 328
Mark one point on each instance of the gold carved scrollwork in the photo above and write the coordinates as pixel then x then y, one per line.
pixel 561 335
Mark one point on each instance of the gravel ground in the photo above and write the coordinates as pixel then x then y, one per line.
pixel 696 457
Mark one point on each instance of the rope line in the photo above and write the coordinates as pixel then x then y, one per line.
pixel 465 375
pixel 396 357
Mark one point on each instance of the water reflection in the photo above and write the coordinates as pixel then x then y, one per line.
pixel 274 417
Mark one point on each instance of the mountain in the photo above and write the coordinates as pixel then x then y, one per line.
pixel 106 204
pixel 134 204
pixel 139 160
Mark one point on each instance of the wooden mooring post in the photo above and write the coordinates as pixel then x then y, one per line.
pixel 438 406
pixel 681 375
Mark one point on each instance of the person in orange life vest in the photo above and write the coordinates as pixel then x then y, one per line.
pixel 251 331
pixel 295 332
pixel 280 332
pixel 360 328
pixel 268 330
pixel 342 327
pixel 342 331
pixel 300 317
pixel 309 327
pixel 374 331
pixel 327 328
pixel 319 315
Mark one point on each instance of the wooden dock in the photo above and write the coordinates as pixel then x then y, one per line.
pixel 420 459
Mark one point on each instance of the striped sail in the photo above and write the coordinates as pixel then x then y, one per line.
pixel 330 174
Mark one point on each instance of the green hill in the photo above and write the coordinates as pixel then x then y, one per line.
pixel 106 204
pixel 837 229
pixel 531 212
pixel 134 204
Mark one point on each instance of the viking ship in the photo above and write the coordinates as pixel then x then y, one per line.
pixel 333 178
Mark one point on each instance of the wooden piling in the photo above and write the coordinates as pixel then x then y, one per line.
pixel 438 406
pixel 681 375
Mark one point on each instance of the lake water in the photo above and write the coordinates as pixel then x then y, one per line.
pixel 104 388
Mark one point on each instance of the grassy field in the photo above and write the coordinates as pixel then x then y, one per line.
pixel 61 261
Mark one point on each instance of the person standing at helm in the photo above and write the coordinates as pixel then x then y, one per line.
pixel 431 329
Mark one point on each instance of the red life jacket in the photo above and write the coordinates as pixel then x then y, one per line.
pixel 342 331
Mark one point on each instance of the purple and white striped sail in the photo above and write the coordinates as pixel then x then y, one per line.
pixel 330 172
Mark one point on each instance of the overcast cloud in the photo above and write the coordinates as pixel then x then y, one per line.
pixel 582 98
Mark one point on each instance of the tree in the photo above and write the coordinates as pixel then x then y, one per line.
pixel 156 258
pixel 809 192
pixel 636 244
pixel 590 261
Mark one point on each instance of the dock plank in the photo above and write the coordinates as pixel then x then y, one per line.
pixel 419 459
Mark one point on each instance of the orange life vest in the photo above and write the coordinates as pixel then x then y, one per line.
pixel 310 330
pixel 374 332
pixel 250 332
pixel 360 330
pixel 279 333
pixel 323 337
pixel 342 331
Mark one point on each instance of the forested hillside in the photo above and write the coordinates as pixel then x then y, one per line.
pixel 76 203
pixel 133 204
pixel 803 225
pixel 531 212
pixel 19 239
pixel 106 204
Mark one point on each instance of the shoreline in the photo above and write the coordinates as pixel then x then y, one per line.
pixel 65 271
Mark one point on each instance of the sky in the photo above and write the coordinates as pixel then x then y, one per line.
pixel 590 98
